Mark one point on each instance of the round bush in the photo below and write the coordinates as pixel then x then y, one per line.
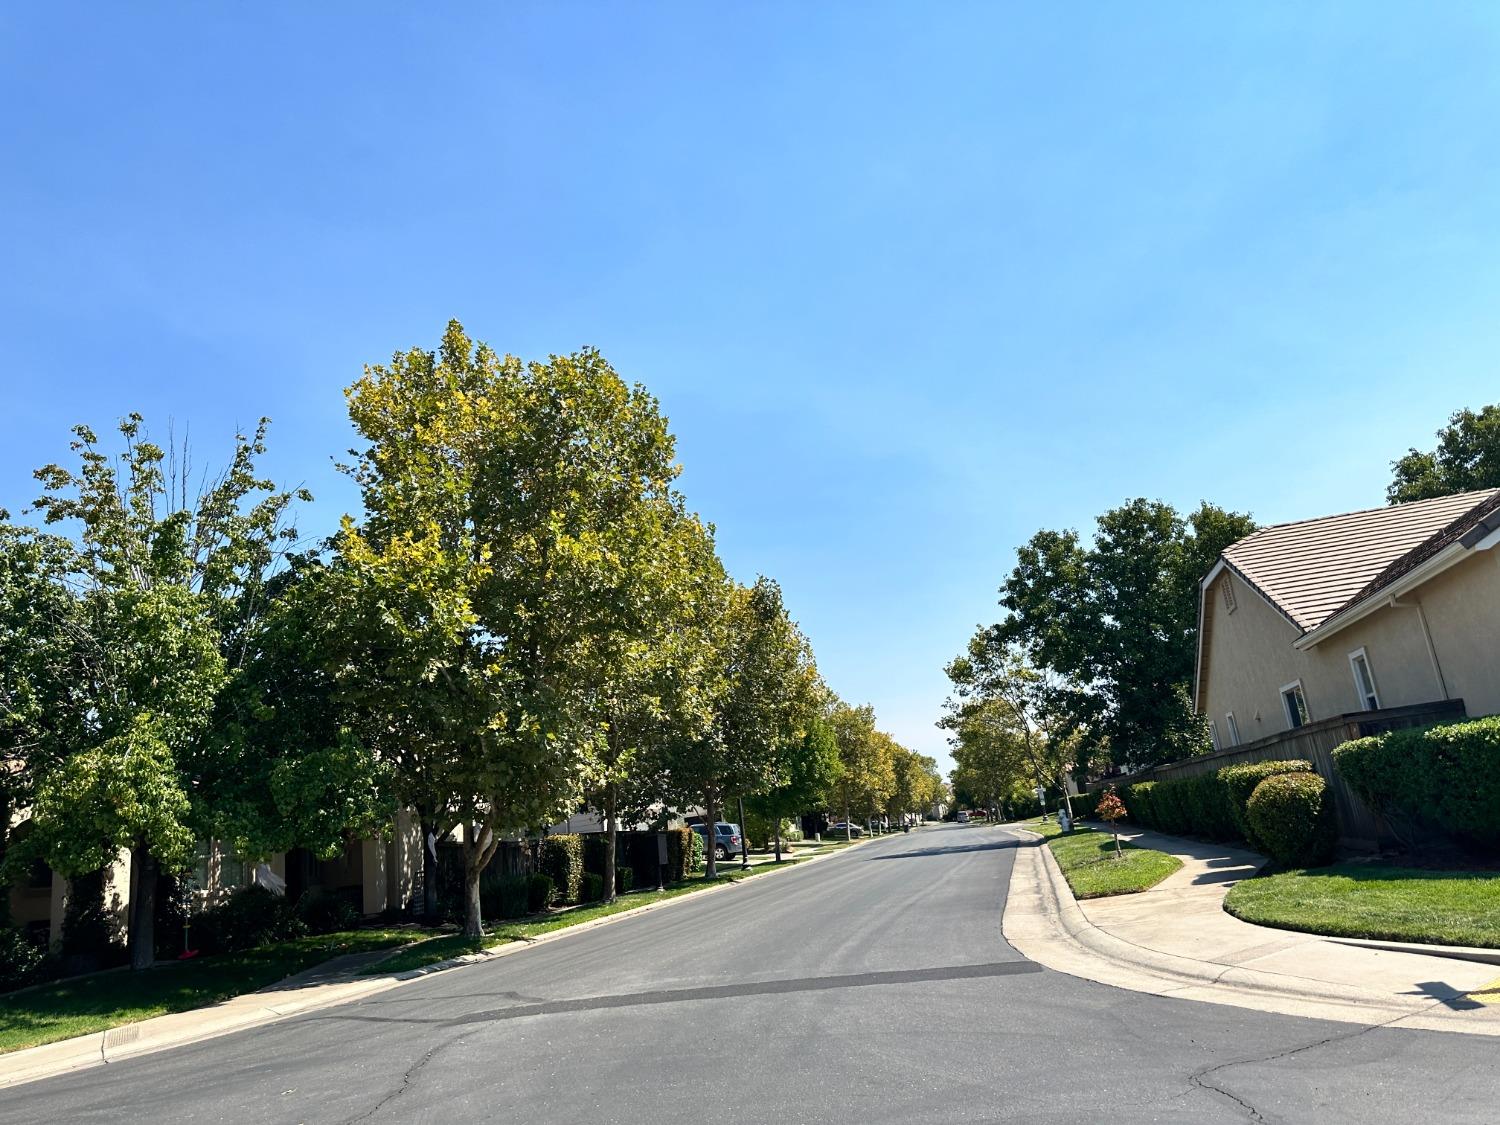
pixel 1291 814
pixel 324 912
pixel 21 962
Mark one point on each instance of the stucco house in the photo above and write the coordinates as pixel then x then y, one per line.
pixel 1386 608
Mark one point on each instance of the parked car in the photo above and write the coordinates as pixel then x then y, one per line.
pixel 962 818
pixel 843 828
pixel 727 841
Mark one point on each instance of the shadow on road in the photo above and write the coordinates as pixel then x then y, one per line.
pixel 955 849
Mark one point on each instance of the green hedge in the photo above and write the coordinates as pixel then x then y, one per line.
pixel 538 893
pixel 562 862
pixel 684 853
pixel 1210 805
pixel 1292 815
pixel 1240 782
pixel 1444 777
pixel 593 887
pixel 1084 804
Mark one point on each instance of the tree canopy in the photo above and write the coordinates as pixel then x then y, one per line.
pixel 1466 458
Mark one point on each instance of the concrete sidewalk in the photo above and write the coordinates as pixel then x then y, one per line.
pixel 1177 940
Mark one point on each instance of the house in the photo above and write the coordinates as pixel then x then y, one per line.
pixel 1387 608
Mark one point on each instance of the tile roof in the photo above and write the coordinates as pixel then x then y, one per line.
pixel 1313 568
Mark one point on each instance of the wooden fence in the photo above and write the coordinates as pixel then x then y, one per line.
pixel 1359 826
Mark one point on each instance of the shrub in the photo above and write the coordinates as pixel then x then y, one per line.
pixel 505 896
pixel 251 916
pixel 624 880
pixel 593 887
pixel 1445 777
pixel 683 846
pixel 538 893
pixel 1292 815
pixel 562 862
pixel 323 911
pixel 1139 805
pixel 1239 782
pixel 21 962
pixel 1084 804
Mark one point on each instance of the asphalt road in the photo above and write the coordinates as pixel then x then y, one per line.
pixel 873 987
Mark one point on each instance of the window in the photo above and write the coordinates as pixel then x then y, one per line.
pixel 1228 594
pixel 1364 680
pixel 1213 734
pixel 1233 728
pixel 1295 703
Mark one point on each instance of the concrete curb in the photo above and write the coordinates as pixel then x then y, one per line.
pixel 255 1009
pixel 1045 922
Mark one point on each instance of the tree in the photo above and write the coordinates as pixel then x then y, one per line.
pixel 755 701
pixel 163 580
pixel 802 774
pixel 502 503
pixel 1466 458
pixel 916 783
pixel 868 758
pixel 1115 623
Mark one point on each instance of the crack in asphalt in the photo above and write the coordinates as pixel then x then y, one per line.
pixel 1198 1077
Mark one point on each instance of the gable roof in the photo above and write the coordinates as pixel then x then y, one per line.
pixel 1313 569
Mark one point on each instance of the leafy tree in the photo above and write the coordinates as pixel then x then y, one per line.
pixel 756 700
pixel 41 630
pixel 502 501
pixel 868 759
pixel 164 579
pixel 1466 458
pixel 916 783
pixel 1115 623
pixel 803 772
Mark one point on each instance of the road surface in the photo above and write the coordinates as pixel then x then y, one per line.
pixel 872 987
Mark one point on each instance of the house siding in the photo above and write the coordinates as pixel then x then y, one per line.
pixel 1463 612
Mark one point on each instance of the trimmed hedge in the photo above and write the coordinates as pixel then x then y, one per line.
pixel 538 893
pixel 508 896
pixel 323 911
pixel 593 887
pixel 562 862
pixel 1240 782
pixel 1084 804
pixel 1210 805
pixel 251 916
pixel 21 962
pixel 1444 777
pixel 1292 815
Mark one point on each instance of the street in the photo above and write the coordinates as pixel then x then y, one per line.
pixel 874 986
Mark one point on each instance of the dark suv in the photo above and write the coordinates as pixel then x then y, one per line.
pixel 727 838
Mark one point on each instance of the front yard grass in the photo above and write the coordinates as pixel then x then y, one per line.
pixel 1371 900
pixel 1088 862
pixel 103 1000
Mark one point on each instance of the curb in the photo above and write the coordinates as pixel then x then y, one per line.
pixel 129 1040
pixel 1058 935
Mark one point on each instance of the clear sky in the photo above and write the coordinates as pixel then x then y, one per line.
pixel 911 280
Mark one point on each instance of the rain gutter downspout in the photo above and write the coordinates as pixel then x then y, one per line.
pixel 1437 668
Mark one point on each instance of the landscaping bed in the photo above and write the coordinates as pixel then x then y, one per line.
pixel 1374 900
pixel 1088 862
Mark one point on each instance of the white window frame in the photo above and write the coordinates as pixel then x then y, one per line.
pixel 1233 726
pixel 1213 734
pixel 1293 721
pixel 1360 654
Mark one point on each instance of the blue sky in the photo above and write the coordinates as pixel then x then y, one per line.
pixel 911 280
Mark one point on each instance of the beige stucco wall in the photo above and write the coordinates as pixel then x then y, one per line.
pixel 1251 655
pixel 1463 612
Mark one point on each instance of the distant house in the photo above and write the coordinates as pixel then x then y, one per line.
pixel 1386 608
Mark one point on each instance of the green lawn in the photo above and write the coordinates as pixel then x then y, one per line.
pixel 1370 900
pixel 1088 862
pixel 104 1000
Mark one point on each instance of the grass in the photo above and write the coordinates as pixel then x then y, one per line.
pixel 103 1000
pixel 1088 862
pixel 443 948
pixel 1370 900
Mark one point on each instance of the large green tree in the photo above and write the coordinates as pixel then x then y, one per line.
pixel 164 580
pixel 1466 458
pixel 1115 622
pixel 867 756
pixel 504 505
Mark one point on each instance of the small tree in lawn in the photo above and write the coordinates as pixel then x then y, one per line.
pixel 1111 808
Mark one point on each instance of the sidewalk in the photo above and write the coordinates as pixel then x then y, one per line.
pixel 1176 940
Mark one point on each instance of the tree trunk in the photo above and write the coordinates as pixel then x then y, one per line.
pixel 611 831
pixel 711 836
pixel 142 908
pixel 848 823
pixel 778 838
pixel 479 849
pixel 429 873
